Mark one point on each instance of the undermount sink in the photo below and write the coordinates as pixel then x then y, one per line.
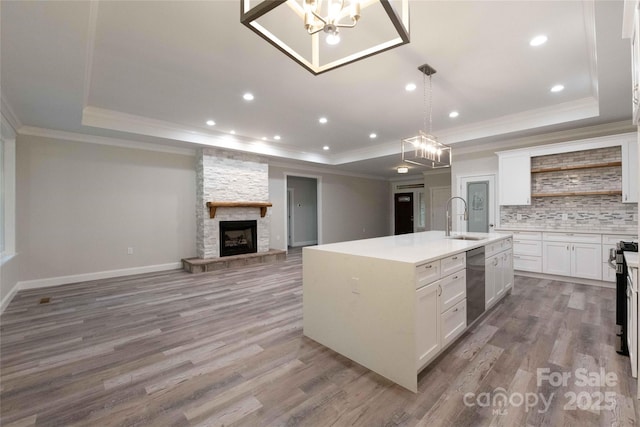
pixel 463 237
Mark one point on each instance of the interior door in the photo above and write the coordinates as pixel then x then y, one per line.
pixel 403 213
pixel 478 200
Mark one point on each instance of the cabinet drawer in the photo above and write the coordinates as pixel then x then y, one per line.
pixel 527 235
pixel 572 237
pixel 491 249
pixel 427 273
pixel 527 247
pixel 612 239
pixel 453 263
pixel 454 289
pixel 527 263
pixel 454 322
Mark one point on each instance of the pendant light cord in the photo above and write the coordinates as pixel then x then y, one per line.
pixel 424 98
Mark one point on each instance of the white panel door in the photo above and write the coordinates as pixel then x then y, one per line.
pixel 586 260
pixel 427 322
pixel 556 258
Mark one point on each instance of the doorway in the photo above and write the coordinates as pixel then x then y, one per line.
pixel 403 213
pixel 302 211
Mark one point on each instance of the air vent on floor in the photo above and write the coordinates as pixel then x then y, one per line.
pixel 45 300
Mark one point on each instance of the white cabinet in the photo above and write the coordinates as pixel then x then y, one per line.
pixel 454 322
pixel 427 323
pixel 630 171
pixel 514 179
pixel 575 255
pixel 498 273
pixel 454 289
pixel 527 251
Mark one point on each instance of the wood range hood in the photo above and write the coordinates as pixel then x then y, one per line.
pixel 215 205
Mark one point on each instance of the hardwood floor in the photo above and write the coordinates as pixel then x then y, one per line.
pixel 226 348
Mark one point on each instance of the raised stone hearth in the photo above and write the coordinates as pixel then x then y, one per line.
pixel 201 265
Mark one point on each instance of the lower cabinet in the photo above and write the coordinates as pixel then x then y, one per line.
pixel 441 314
pixel 572 259
pixel 427 322
pixel 498 276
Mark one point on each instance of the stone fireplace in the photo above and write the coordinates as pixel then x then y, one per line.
pixel 238 237
pixel 227 177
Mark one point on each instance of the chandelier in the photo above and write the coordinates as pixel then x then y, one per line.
pixel 424 149
pixel 295 27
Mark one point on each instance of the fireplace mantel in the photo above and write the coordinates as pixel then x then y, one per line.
pixel 214 205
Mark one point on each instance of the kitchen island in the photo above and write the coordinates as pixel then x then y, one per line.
pixel 392 304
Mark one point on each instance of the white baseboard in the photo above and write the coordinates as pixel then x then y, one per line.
pixel 577 280
pixel 308 243
pixel 75 278
pixel 7 298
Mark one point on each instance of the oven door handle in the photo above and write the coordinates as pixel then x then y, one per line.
pixel 612 264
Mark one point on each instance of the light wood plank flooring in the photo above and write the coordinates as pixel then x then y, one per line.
pixel 226 348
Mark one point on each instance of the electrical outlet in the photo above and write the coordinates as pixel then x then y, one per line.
pixel 129 251
pixel 635 217
pixel 519 217
pixel 565 217
pixel 355 285
pixel 364 230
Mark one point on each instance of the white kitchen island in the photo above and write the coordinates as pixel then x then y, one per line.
pixel 392 304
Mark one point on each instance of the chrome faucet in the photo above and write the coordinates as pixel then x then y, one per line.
pixel 447 229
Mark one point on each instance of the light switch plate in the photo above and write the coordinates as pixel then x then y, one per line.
pixel 565 217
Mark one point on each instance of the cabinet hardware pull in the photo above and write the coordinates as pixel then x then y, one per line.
pixel 625 197
pixel 455 277
pixel 455 310
pixel 428 266
pixel 567 247
pixel 455 257
pixel 635 94
pixel 573 248
pixel 439 290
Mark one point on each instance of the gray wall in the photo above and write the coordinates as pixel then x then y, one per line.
pixel 305 211
pixel 80 206
pixel 351 207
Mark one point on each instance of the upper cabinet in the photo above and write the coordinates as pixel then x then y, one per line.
pixel 514 178
pixel 575 175
pixel 630 172
pixel 631 30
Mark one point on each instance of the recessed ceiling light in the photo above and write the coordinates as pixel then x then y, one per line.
pixel 403 169
pixel 276 137
pixel 373 136
pixel 211 123
pixel 248 96
pixel 538 40
pixel 557 88
pixel 323 120
pixel 454 114
pixel 264 138
pixel 233 132
pixel 325 148
pixel 410 87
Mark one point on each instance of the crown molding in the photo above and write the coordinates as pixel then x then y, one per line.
pixel 9 115
pixel 114 120
pixel 92 139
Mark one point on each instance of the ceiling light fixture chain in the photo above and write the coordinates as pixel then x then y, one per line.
pixel 424 149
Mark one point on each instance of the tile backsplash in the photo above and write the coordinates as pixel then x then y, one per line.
pixel 602 212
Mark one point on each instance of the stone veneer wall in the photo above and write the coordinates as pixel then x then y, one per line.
pixel 583 212
pixel 225 176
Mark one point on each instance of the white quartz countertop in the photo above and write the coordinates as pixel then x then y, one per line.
pixel 632 259
pixel 414 248
pixel 625 232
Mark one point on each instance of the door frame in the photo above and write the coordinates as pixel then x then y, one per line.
pixel 318 179
pixel 413 210
pixel 290 213
pixel 461 181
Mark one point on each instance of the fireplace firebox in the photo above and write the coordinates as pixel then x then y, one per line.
pixel 238 237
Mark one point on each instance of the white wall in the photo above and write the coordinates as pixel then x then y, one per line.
pixel 305 218
pixel 350 207
pixel 80 206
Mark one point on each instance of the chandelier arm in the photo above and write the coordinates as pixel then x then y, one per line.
pixel 319 17
pixel 347 25
pixel 314 31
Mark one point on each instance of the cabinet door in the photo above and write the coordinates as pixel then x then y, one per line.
pixel 556 258
pixel 490 278
pixel 427 322
pixel 500 275
pixel 454 321
pixel 586 260
pixel 630 171
pixel 514 179
pixel 507 269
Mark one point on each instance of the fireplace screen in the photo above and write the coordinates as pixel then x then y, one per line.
pixel 238 237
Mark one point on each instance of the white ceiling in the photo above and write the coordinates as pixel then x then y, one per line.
pixel 156 71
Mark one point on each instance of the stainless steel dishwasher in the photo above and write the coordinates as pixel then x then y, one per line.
pixel 475 284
